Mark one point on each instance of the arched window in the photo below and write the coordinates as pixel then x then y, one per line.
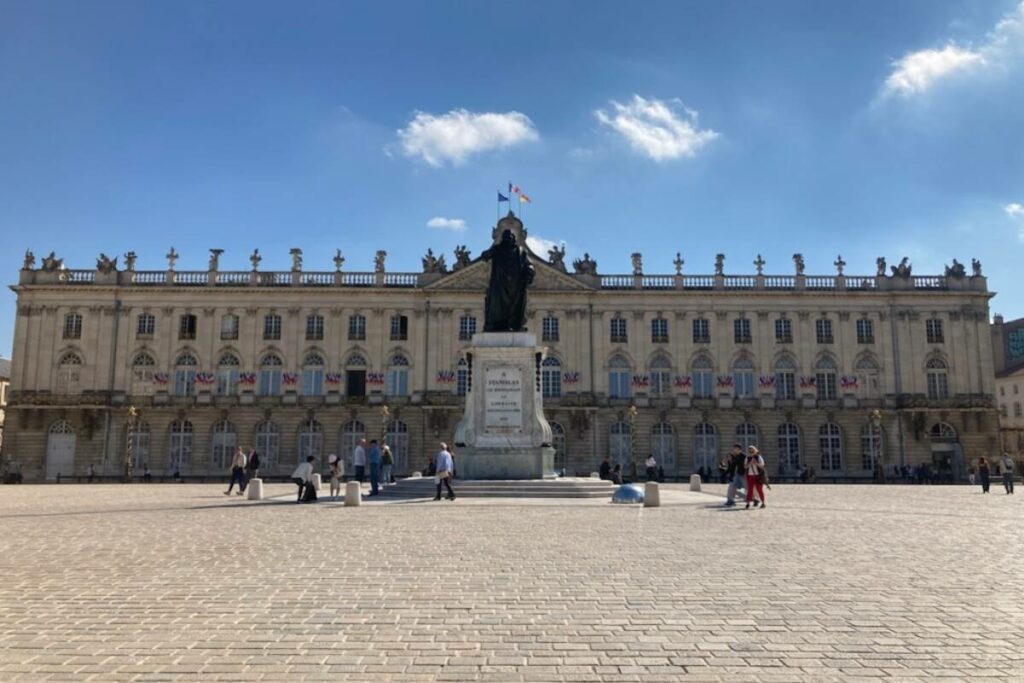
pixel 705 447
pixel 228 367
pixel 398 376
pixel 462 377
pixel 268 444
pixel 943 432
pixel 870 446
pixel 660 372
pixel 620 439
pixel 270 375
pixel 139 437
pixel 825 379
pixel 143 368
pixel 311 439
pixel 789 446
pixel 785 379
pixel 663 444
pixel 558 443
pixel 69 373
pixel 355 375
pixel 351 433
pixel 702 372
pixel 397 437
pixel 618 377
pixel 830 441
pixel 223 443
pixel 938 378
pixel 179 447
pixel 866 370
pixel 313 375
pixel 551 377
pixel 185 374
pixel 743 377
pixel 746 435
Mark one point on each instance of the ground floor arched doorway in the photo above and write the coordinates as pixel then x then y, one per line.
pixel 60 450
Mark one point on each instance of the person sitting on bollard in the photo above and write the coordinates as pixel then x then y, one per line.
pixel 303 478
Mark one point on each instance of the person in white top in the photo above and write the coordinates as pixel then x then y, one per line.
pixel 444 467
pixel 237 472
pixel 753 466
pixel 652 468
pixel 1006 469
pixel 303 476
pixel 359 460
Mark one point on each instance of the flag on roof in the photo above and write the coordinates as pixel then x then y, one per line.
pixel 524 198
pixel 502 198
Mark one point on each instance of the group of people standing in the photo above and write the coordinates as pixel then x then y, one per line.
pixel 745 471
pixel 1004 466
pixel 244 466
pixel 379 458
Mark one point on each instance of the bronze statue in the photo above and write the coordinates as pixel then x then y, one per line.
pixel 511 274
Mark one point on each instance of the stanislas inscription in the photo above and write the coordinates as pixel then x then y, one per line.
pixel 503 399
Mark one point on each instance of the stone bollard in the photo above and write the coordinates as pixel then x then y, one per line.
pixel 255 489
pixel 353 493
pixel 695 482
pixel 652 495
pixel 317 481
pixel 595 475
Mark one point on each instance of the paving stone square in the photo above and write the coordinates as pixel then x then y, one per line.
pixel 830 583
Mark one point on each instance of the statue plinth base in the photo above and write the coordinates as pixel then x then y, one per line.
pixel 503 433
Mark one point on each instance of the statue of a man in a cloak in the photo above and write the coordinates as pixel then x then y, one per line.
pixel 511 273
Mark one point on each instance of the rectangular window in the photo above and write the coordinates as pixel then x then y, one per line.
pixel 703 384
pixel 271 326
pixel 933 329
pixel 618 384
pixel 314 327
pixel 356 328
pixel 549 329
pixel 659 331
pixel 467 327
pixel 783 331
pixel 743 383
pixel 701 331
pixel 741 330
pixel 823 327
pixel 229 327
pixel 785 385
pixel 146 325
pixel 865 331
pixel 825 385
pixel 617 329
pixel 72 326
pixel 187 327
pixel 1016 409
pixel 399 328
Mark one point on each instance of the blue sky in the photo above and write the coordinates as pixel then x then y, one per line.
pixel 860 128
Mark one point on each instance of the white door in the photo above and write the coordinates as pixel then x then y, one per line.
pixel 60 451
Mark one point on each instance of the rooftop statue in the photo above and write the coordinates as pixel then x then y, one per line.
pixel 30 260
pixel 798 261
pixel 638 263
pixel 975 267
pixel 129 260
pixel 511 274
pixel 461 257
pixel 585 266
pixel 556 257
pixel 956 270
pixel 52 264
pixel 255 258
pixel 880 263
pixel 296 259
pixel 106 265
pixel 719 264
pixel 378 261
pixel 434 264
pixel 339 260
pixel 903 269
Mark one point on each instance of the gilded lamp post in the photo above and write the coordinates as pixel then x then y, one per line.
pixel 385 413
pixel 133 415
pixel 875 417
pixel 631 416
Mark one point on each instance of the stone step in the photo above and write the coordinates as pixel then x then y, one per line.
pixel 557 488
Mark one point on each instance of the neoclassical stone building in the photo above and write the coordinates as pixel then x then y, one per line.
pixel 835 372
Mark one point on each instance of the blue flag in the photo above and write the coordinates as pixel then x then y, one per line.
pixel 502 198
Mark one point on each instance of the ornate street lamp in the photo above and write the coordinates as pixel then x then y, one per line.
pixel 631 416
pixel 875 418
pixel 133 415
pixel 385 413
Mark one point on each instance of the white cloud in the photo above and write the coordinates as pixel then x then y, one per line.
pixel 1016 213
pixel 916 72
pixel 656 130
pixel 541 246
pixel 454 136
pixel 441 223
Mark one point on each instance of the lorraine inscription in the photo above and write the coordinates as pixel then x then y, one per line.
pixel 503 399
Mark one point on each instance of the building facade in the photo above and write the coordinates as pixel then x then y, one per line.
pixel 838 373
pixel 5 385
pixel 1008 350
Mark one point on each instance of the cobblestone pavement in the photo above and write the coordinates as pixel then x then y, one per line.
pixel 830 583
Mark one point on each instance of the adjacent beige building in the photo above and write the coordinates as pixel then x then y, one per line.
pixel 1008 351
pixel 833 372
pixel 5 386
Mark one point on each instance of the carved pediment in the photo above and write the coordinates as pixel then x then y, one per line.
pixel 475 277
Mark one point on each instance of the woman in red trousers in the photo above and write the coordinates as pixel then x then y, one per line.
pixel 754 468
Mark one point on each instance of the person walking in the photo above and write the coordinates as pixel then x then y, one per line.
pixel 237 472
pixel 303 478
pixel 252 464
pixel 1006 469
pixel 983 473
pixel 359 460
pixel 605 471
pixel 335 464
pixel 652 468
pixel 444 467
pixel 754 467
pixel 375 459
pixel 387 464
pixel 735 474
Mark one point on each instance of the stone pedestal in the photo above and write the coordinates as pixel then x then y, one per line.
pixel 503 433
pixel 353 494
pixel 255 489
pixel 652 495
pixel 695 482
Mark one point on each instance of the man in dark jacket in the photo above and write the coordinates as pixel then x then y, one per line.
pixel 252 464
pixel 734 472
pixel 606 468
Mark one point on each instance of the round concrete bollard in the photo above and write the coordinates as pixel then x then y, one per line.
pixel 317 482
pixel 595 475
pixel 353 494
pixel 695 482
pixel 652 495
pixel 255 489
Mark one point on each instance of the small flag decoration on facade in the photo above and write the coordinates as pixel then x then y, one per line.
pixel 683 382
pixel 375 378
pixel 160 378
pixel 808 382
pixel 205 378
pixel 766 381
pixel 290 378
pixel 640 381
pixel 247 378
pixel 848 382
pixel 333 378
pixel 571 378
pixel 446 377
pixel 723 381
